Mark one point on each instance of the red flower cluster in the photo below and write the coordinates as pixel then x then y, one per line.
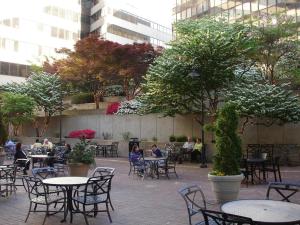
pixel 87 133
pixel 112 108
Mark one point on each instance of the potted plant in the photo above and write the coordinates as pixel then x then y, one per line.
pixel 226 176
pixel 80 158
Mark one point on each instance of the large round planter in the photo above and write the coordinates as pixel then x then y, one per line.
pixel 226 188
pixel 78 169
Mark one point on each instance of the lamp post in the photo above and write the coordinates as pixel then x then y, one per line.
pixel 195 74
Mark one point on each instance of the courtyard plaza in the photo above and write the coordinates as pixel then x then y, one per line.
pixel 141 202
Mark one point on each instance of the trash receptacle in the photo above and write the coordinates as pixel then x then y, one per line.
pixel 132 142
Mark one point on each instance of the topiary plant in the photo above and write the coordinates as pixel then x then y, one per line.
pixel 228 143
pixel 82 152
pixel 3 133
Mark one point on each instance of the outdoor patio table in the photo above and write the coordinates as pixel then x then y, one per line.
pixel 154 161
pixel 40 157
pixel 105 147
pixel 68 183
pixel 264 211
pixel 254 163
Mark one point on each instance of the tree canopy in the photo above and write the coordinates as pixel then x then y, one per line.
pixel 202 60
pixel 45 89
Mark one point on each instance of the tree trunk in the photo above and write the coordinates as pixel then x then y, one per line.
pixel 46 124
pixel 36 127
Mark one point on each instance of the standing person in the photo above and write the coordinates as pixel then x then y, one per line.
pixel 196 153
pixel 156 151
pixel 20 154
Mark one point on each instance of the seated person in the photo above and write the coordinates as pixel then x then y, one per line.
pixel 188 145
pixel 135 154
pixel 156 152
pixel 196 153
pixel 36 145
pixel 20 154
pixel 47 144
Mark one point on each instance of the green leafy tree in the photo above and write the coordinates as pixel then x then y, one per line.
pixel 264 104
pixel 17 109
pixel 46 90
pixel 3 131
pixel 228 143
pixel 277 53
pixel 211 48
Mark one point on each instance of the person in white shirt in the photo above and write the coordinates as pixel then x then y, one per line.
pixel 47 144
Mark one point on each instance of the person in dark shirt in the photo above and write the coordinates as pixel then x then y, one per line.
pixel 156 151
pixel 20 154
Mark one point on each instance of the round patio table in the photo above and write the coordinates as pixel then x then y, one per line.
pixel 264 211
pixel 41 157
pixel 68 183
pixel 154 164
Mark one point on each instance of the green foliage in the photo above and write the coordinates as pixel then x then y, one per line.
pixel 3 132
pixel 277 47
pixel 228 143
pixel 114 90
pixel 82 98
pixel 126 136
pixel 172 138
pixel 82 152
pixel 214 49
pixel 255 100
pixel 181 138
pixel 17 109
pixel 45 89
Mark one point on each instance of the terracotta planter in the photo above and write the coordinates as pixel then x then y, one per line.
pixel 78 169
pixel 226 188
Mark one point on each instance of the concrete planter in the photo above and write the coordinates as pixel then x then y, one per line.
pixel 226 188
pixel 78 169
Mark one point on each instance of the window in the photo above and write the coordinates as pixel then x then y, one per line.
pixel 2 43
pixel 16 46
pixel 4 68
pixel 54 31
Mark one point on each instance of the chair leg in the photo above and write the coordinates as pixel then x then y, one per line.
pixel 45 215
pixel 279 174
pixel 107 209
pixel 84 214
pixel 28 212
pixel 110 202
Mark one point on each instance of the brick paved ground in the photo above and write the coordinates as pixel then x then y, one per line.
pixel 137 202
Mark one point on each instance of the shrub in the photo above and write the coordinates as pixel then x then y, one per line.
pixel 114 90
pixel 172 138
pixel 181 138
pixel 107 136
pixel 3 133
pixel 87 133
pixel 112 108
pixel 81 98
pixel 129 107
pixel 228 143
pixel 82 153
pixel 126 136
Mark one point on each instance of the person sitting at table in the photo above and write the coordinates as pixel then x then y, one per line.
pixel 47 144
pixel 156 152
pixel 20 154
pixel 196 153
pixel 188 146
pixel 36 145
pixel 135 154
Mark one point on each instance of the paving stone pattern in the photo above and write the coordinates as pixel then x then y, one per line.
pixel 136 201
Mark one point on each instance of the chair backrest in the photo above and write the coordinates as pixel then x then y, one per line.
pixel 98 186
pixel 43 172
pixel 253 150
pixel 220 218
pixel 9 173
pixel 35 187
pixel 103 171
pixel 283 191
pixel 268 149
pixel 171 159
pixel 194 199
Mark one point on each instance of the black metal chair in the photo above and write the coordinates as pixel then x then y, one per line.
pixel 39 195
pixel 219 218
pixel 95 192
pixel 104 171
pixel 253 151
pixel 282 191
pixel 112 150
pixel 44 172
pixel 168 166
pixel 137 166
pixel 7 180
pixel 195 201
pixel 273 166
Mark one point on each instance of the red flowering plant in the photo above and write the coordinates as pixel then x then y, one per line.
pixel 86 133
pixel 112 108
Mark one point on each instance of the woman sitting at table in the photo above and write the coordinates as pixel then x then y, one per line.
pixel 135 154
pixel 156 151
pixel 20 154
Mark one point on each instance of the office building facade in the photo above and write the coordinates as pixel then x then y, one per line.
pixel 31 30
pixel 115 22
pixel 235 9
